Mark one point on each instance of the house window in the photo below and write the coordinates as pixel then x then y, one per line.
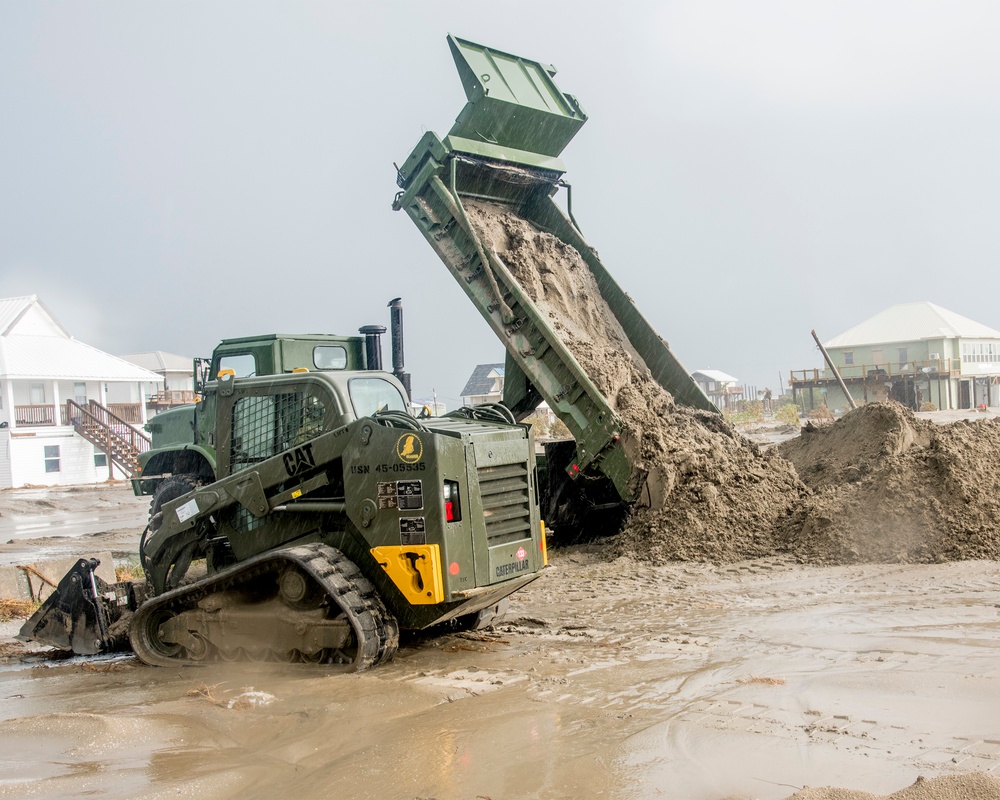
pixel 980 352
pixel 877 356
pixel 902 355
pixel 36 393
pixel 51 458
pixel 80 393
pixel 100 459
pixel 848 358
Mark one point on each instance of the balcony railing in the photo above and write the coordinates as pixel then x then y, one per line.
pixel 129 412
pixel 36 416
pixel 858 372
pixel 172 397
pixel 33 416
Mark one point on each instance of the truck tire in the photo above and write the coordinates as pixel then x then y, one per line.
pixel 170 489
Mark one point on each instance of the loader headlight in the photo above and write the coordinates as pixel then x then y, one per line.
pixel 452 506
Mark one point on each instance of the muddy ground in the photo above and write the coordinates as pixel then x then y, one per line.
pixel 613 678
pixel 824 612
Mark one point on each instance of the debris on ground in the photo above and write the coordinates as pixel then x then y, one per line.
pixel 247 700
pixel 11 608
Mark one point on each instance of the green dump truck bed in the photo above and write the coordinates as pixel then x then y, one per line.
pixel 504 149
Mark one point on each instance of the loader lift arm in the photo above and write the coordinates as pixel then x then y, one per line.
pixel 274 485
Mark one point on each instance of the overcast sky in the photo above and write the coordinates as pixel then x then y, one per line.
pixel 175 173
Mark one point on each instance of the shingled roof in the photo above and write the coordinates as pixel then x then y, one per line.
pixel 481 383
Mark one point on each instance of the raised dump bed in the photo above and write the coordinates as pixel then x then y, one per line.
pixel 504 150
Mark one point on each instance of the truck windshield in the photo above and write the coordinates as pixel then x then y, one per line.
pixel 374 394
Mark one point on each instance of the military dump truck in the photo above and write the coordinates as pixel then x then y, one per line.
pixel 305 515
pixel 504 149
pixel 322 515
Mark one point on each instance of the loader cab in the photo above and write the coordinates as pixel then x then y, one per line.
pixel 258 418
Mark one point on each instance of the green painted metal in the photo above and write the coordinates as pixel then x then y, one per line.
pixel 437 179
pixel 275 488
pixel 515 112
pixel 182 437
pixel 276 352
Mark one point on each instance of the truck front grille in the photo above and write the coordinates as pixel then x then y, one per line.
pixel 506 507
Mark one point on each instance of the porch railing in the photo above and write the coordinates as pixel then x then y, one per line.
pixel 34 415
pixel 938 367
pixel 172 397
pixel 127 412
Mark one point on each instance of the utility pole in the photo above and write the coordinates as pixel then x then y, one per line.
pixel 836 372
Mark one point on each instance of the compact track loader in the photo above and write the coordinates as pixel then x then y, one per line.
pixel 307 516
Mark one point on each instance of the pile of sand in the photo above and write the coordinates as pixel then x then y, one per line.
pixel 890 487
pixel 709 493
pixel 971 786
pixel 878 485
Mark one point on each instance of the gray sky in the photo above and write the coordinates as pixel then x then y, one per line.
pixel 175 173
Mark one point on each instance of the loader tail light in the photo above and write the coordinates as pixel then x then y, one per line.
pixel 452 506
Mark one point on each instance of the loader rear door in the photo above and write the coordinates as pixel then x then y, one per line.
pixel 507 542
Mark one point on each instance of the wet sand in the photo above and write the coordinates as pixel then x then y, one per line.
pixel 57 522
pixel 613 679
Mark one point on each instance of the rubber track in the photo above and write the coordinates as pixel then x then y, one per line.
pixel 375 629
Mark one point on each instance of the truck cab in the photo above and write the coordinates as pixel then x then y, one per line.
pixel 275 354
pixel 183 439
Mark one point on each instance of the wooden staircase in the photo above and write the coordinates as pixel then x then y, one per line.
pixel 109 433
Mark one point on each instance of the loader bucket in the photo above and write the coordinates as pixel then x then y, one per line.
pixel 77 615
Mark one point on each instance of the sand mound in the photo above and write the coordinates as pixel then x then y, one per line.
pixel 847 451
pixel 971 786
pixel 890 487
pixel 710 494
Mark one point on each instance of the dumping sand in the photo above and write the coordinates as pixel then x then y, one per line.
pixel 712 494
pixel 877 486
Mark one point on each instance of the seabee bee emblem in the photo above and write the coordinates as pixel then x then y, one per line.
pixel 409 448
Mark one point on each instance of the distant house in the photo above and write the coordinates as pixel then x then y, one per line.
pixel 918 354
pixel 484 386
pixel 177 373
pixel 722 389
pixel 51 388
